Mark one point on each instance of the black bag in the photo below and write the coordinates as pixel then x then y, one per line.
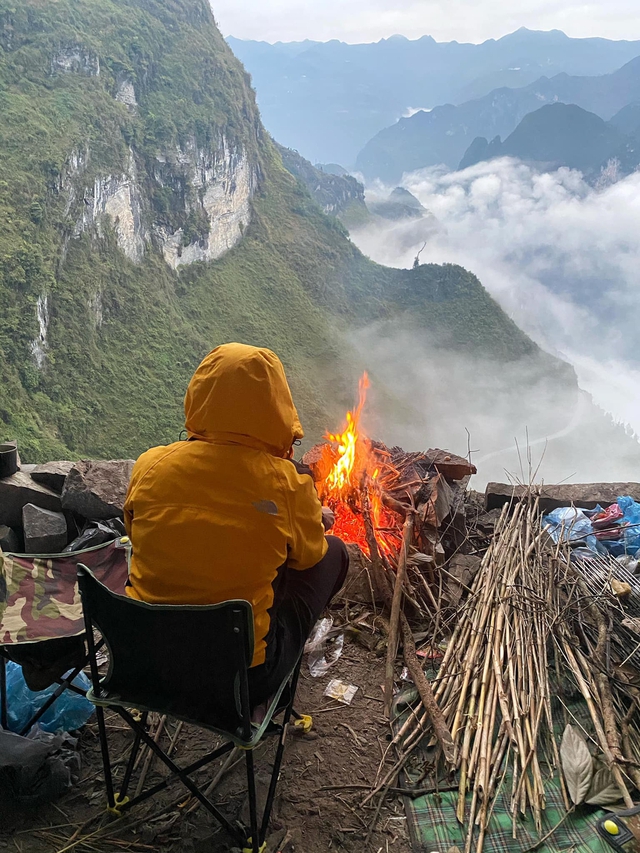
pixel 34 771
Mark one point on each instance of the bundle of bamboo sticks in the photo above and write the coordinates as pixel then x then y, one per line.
pixel 517 631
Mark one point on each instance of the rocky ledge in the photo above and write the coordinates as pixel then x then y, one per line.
pixel 45 509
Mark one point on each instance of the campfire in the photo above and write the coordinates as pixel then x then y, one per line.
pixel 371 488
pixel 358 475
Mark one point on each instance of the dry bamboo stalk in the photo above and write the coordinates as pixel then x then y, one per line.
pixel 424 689
pixel 464 759
pixel 380 578
pixel 225 767
pixel 604 745
pixel 394 621
pixel 150 756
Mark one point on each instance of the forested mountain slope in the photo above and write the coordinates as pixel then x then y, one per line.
pixel 565 135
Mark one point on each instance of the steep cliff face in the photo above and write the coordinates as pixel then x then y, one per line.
pixel 221 184
pixel 215 184
pixel 338 195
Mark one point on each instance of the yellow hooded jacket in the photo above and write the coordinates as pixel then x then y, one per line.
pixel 213 518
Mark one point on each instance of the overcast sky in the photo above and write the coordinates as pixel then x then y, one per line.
pixel 445 20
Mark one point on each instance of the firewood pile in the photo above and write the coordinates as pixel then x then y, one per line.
pixel 530 637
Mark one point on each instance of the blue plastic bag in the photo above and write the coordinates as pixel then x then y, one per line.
pixel 631 536
pixel 70 711
pixel 570 525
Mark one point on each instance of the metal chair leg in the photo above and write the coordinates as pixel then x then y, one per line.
pixel 137 737
pixel 277 764
pixel 253 802
pixel 106 762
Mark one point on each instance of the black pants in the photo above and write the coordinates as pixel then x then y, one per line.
pixel 299 599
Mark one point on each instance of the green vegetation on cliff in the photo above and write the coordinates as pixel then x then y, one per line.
pixel 121 337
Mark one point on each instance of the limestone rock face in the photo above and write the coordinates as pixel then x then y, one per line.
pixel 19 490
pixel 52 474
pixel 116 200
pixel 75 59
pixel 126 94
pixel 216 186
pixel 45 532
pixel 96 490
pixel 224 182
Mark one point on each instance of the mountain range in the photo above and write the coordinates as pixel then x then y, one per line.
pixel 327 100
pixel 566 135
pixel 443 135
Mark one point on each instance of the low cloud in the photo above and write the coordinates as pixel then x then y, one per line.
pixel 516 423
pixel 562 259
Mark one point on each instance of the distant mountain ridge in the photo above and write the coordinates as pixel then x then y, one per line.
pixel 563 135
pixel 326 100
pixel 443 135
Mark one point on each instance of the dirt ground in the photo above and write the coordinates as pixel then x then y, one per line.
pixel 325 777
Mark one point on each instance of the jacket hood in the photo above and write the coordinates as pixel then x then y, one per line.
pixel 240 394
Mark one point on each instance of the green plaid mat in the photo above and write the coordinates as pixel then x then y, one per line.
pixel 433 826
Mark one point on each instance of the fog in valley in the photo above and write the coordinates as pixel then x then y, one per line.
pixel 562 258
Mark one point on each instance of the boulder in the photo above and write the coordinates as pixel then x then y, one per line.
pixel 19 490
pixel 584 495
pixel 10 540
pixel 358 585
pixel 52 474
pixel 45 532
pixel 96 490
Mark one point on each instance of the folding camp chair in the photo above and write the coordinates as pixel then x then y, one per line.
pixel 41 621
pixel 190 663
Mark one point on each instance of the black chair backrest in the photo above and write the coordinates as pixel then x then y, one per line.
pixel 185 661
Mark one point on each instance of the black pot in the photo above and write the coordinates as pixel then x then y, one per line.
pixel 8 460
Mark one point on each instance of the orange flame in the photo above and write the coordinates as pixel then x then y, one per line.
pixel 358 473
pixel 341 477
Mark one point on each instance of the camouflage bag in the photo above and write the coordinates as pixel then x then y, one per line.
pixel 39 598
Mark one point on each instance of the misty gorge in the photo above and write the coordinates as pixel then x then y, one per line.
pixel 138 230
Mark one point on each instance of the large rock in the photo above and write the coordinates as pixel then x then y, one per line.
pixel 10 540
pixel 45 532
pixel 453 467
pixel 96 490
pixel 358 585
pixel 585 495
pixel 19 490
pixel 52 474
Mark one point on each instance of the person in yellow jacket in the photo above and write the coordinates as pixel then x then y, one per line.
pixel 227 514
